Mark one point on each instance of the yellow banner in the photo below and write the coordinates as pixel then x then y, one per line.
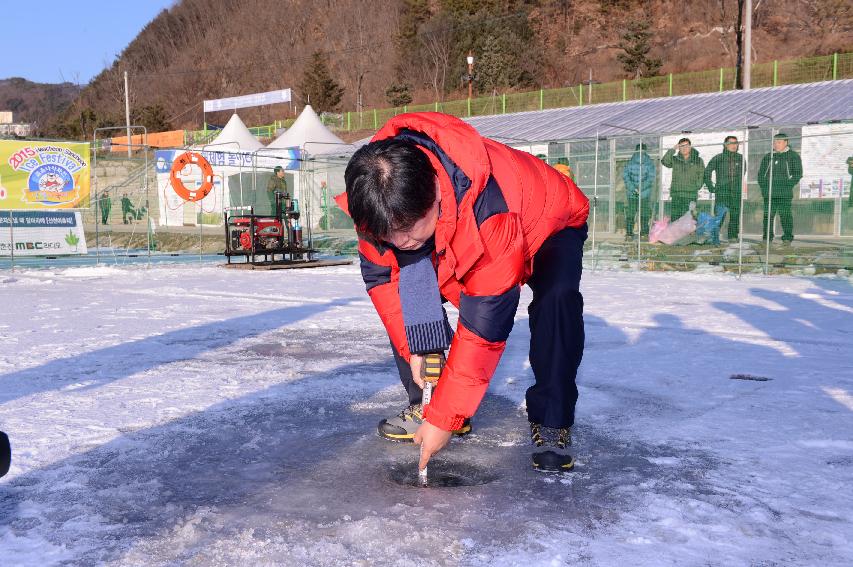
pixel 43 175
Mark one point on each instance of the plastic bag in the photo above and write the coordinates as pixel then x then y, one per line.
pixel 708 227
pixel 657 228
pixel 678 230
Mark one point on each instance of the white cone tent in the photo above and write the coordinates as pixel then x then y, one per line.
pixel 309 134
pixel 323 157
pixel 235 135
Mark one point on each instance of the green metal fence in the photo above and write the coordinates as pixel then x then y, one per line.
pixel 774 73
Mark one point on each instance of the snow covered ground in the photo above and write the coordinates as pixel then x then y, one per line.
pixel 191 415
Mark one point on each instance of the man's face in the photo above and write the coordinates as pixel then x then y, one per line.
pixel 279 173
pixel 421 231
pixel 684 149
pixel 780 145
pixel 732 144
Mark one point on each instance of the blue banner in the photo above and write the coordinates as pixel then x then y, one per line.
pixel 39 219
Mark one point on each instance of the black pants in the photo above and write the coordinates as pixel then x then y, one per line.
pixel 782 206
pixel 680 205
pixel 732 202
pixel 556 331
pixel 5 454
pixel 631 212
pixel 405 371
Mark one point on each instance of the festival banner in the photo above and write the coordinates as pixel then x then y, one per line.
pixel 43 175
pixel 41 233
pixel 245 101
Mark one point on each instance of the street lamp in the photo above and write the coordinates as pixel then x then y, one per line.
pixel 470 77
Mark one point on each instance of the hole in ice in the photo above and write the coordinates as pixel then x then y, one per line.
pixel 268 349
pixel 442 474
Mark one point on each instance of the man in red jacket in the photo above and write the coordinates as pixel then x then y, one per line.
pixel 444 214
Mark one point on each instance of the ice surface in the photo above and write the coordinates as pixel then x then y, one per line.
pixel 190 415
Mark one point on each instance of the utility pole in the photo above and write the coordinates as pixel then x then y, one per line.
pixel 127 112
pixel 747 47
pixel 470 60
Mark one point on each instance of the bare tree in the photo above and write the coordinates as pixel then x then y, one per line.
pixel 829 17
pixel 739 43
pixel 436 38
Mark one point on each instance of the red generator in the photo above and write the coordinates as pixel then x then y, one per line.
pixel 254 235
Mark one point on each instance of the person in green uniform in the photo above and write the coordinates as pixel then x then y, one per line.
pixel 778 174
pixel 127 209
pixel 140 212
pixel 724 177
pixel 278 183
pixel 106 205
pixel 850 171
pixel 688 176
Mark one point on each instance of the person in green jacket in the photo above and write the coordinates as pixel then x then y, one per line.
pixel 106 206
pixel 277 182
pixel 785 168
pixel 688 175
pixel 140 212
pixel 724 178
pixel 128 213
pixel 127 209
pixel 850 171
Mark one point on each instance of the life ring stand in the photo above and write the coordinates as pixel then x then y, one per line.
pixel 183 160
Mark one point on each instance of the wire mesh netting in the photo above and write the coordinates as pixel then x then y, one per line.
pixel 763 199
pixel 640 185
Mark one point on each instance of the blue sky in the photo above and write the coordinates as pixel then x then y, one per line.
pixel 51 40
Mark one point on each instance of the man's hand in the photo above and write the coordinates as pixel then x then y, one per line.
pixel 432 439
pixel 416 363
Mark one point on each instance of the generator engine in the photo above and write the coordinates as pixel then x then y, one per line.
pixel 269 232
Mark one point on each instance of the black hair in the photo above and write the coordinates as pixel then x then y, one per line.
pixel 685 140
pixel 726 141
pixel 639 147
pixel 277 168
pixel 390 186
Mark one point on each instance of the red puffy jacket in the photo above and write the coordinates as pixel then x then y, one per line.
pixel 498 205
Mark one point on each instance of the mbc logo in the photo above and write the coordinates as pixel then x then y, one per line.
pixel 37 245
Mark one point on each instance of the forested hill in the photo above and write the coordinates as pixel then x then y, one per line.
pixel 201 49
pixel 39 104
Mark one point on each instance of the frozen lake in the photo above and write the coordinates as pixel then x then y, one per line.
pixel 191 415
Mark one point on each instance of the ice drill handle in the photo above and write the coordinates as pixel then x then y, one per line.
pixel 431 372
pixel 433 365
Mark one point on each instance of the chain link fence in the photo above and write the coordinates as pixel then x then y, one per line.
pixel 704 203
pixel 798 175
pixel 634 196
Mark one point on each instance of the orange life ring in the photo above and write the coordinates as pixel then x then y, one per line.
pixel 184 160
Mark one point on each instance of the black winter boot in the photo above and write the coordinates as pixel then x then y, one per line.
pixel 551 451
